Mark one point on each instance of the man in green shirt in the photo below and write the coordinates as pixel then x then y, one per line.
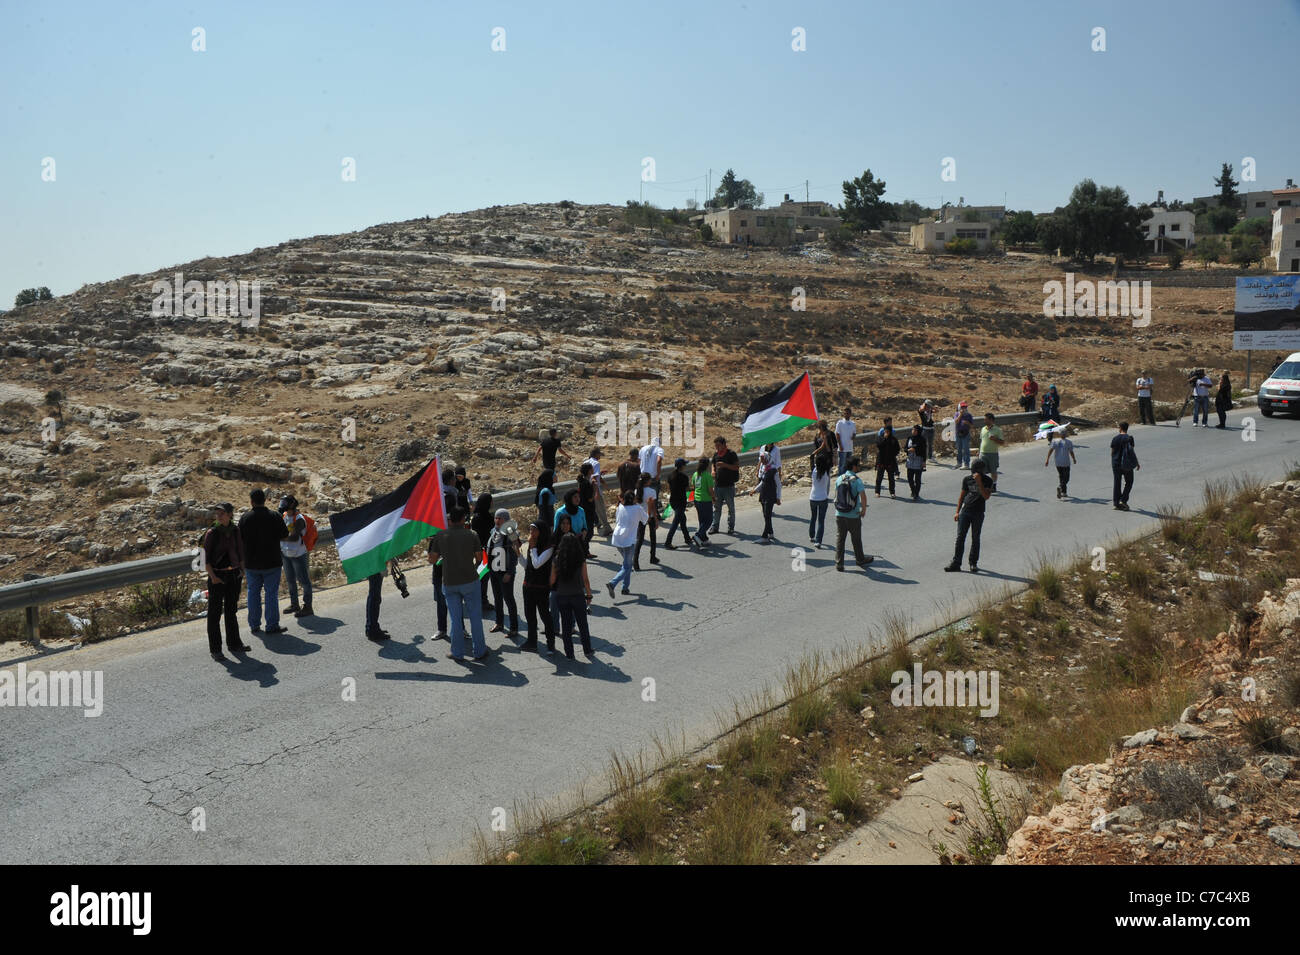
pixel 461 553
pixel 990 440
pixel 702 483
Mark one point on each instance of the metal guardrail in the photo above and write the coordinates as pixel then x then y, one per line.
pixel 30 595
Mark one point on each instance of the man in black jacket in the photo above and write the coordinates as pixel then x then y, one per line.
pixel 1123 462
pixel 887 449
pixel 261 531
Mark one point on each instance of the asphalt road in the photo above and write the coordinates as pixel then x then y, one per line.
pixel 286 770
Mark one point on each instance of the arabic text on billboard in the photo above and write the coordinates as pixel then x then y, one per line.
pixel 1267 313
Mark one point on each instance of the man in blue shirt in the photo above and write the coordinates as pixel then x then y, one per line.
pixel 850 505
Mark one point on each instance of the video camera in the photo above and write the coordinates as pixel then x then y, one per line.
pixel 399 579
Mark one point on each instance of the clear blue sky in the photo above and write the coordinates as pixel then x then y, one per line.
pixel 163 154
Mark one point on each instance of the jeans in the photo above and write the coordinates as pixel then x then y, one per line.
pixel 223 601
pixel 573 609
pixel 881 471
pixel 704 515
pixel 464 600
pixel 914 481
pixel 817 520
pixel 767 507
pixel 372 603
pixel 624 575
pixel 503 599
pixel 852 528
pixel 844 460
pixel 1064 474
pixel 1121 497
pixel 928 434
pixel 679 520
pixel 295 572
pixel 1146 412
pixel 963 450
pixel 263 592
pixel 440 598
pixel 537 602
pixel 724 495
pixel 1202 409
pixel 972 521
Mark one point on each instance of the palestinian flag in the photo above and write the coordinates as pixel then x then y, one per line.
pixel 779 414
pixel 483 567
pixel 367 537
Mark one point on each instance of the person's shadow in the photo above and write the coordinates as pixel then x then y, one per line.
pixel 319 626
pixel 286 644
pixel 245 668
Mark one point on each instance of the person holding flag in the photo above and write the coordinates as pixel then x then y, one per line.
pixel 777 415
pixel 369 536
pixel 462 556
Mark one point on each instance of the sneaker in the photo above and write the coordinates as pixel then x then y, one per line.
pixel 974 569
pixel 610 588
pixel 654 560
pixel 1058 492
pixel 626 593
pixel 452 656
pixel 952 567
pixel 668 546
pixel 254 629
pixel 440 635
pixel 293 609
pixel 839 567
pixel 277 629
pixel 1123 505
pixel 242 648
pixel 497 629
pixel 304 612
pixel 864 561
pixel 219 657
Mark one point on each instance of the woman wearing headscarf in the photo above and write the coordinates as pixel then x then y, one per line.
pixel 537 585
pixel 503 560
pixel 587 498
pixel 1051 403
pixel 627 520
pixel 572 591
pixel 819 499
pixel 768 498
pixel 577 516
pixel 915 449
pixel 545 498
pixel 1223 400
pixel 482 523
pixel 648 498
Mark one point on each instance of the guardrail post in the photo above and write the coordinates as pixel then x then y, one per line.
pixel 33 625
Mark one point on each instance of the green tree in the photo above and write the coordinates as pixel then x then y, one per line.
pixel 909 210
pixel 706 232
pixel 1259 227
pixel 1054 236
pixel 1247 250
pixel 735 192
pixel 1209 249
pixel 1216 221
pixel 863 206
pixel 1227 187
pixel 1175 257
pixel 1101 220
pixel 1019 228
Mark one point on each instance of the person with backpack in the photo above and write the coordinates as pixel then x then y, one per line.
pixel 260 531
pixel 916 458
pixel 503 559
pixel 648 497
pixel 702 485
pixel 1123 462
pixel 887 449
pixel 627 523
pixel 962 422
pixel 293 555
pixel 679 485
pixel 850 506
pixel 223 559
pixel 1063 450
pixel 537 585
pixel 819 499
pixel 975 490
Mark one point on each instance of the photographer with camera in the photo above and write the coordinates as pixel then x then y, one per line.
pixel 293 557
pixel 503 559
pixel 1200 383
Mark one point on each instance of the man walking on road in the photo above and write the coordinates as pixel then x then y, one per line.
pixel 990 440
pixel 850 506
pixel 845 432
pixel 1063 450
pixel 1123 462
pixel 975 491
pixel 1146 411
pixel 962 423
pixel 261 533
pixel 726 472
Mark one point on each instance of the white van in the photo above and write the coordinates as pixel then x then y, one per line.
pixel 1281 390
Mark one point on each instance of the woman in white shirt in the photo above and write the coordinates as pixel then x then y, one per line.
pixel 627 520
pixel 819 498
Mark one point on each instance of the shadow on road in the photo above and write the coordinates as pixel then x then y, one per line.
pixel 985 572
pixel 245 668
pixel 286 644
pixel 319 626
pixel 492 671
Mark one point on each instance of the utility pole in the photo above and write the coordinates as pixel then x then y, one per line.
pixel 805 191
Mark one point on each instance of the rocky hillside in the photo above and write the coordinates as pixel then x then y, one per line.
pixel 468 333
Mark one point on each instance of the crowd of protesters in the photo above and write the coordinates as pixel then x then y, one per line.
pixel 549 560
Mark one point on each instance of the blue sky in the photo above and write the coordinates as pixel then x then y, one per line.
pixel 163 154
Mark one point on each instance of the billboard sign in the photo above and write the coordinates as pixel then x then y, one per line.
pixel 1267 313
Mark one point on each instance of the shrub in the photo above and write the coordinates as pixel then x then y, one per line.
pixel 961 246
pixel 83 478
pixel 1091 589
pixel 1048 580
pixel 844 786
pixel 164 598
